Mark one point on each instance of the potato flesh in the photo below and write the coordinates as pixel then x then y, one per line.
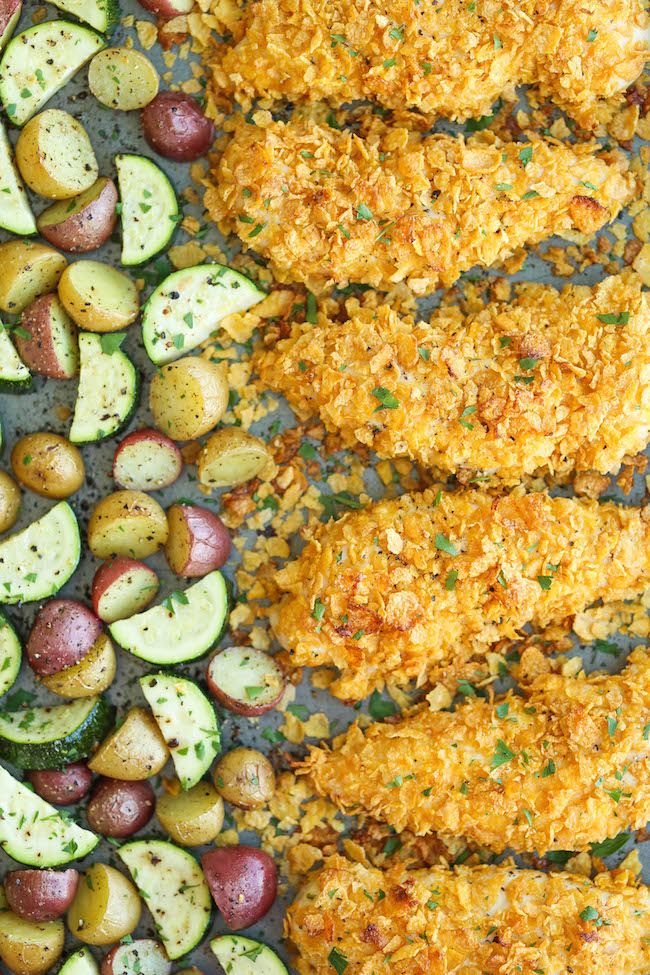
pixel 55 156
pixel 127 523
pixel 192 818
pixel 106 907
pixel 122 79
pixel 231 456
pixel 188 397
pixel 9 502
pixel 29 270
pixel 27 947
pixel 135 751
pixel 93 674
pixel 98 297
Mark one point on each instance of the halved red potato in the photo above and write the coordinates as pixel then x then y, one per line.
pixel 106 907
pixel 198 540
pixel 147 460
pixel 167 9
pixel 47 339
pixel 94 673
pixel 9 17
pixel 174 125
pixel 135 750
pixel 231 456
pixel 62 787
pixel 245 680
pixel 40 895
pixel 243 881
pixel 127 523
pixel 122 588
pixel 120 808
pixel 84 223
pixel 142 955
pixel 63 632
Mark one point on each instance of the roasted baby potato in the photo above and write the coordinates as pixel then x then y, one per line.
pixel 245 778
pixel 231 456
pixel 48 464
pixel 29 947
pixel 120 808
pixel 188 397
pixel 94 673
pixel 175 126
pixel 106 907
pixel 29 270
pixel 122 588
pixel 61 787
pixel 134 751
pixel 147 460
pixel 247 681
pixel 122 79
pixel 54 155
pixel 191 818
pixel 63 632
pixel 198 541
pixel 243 882
pixel 143 956
pixel 128 523
pixel 84 223
pixel 98 297
pixel 10 501
pixel 40 895
pixel 47 339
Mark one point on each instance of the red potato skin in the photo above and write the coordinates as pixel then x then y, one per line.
pixel 166 9
pixel 40 895
pixel 243 881
pixel 62 787
pixel 251 710
pixel 63 632
pixel 148 434
pixel 110 572
pixel 118 808
pixel 175 127
pixel 9 9
pixel 90 228
pixel 204 538
pixel 38 352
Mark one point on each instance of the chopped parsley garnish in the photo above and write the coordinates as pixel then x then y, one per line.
pixel 444 545
pixel 526 155
pixel 387 400
pixel 502 754
pixel 338 961
pixel 610 318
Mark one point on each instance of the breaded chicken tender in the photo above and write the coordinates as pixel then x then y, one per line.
pixel 453 58
pixel 411 588
pixel 488 920
pixel 328 206
pixel 563 767
pixel 549 383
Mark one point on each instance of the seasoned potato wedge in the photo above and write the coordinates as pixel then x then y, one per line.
pixel 54 155
pixel 98 297
pixel 93 674
pixel 136 750
pixel 83 223
pixel 191 818
pixel 106 906
pixel 127 523
pixel 28 947
pixel 122 79
pixel 188 397
pixel 10 500
pixel 48 464
pixel 29 270
pixel 231 456
pixel 47 340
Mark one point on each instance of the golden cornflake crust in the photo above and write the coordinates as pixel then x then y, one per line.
pixel 327 206
pixel 548 383
pixel 453 58
pixel 406 587
pixel 482 921
pixel 566 766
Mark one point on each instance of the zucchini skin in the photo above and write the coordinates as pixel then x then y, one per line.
pixel 16 386
pixel 57 754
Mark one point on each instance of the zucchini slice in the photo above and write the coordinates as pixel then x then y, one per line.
pixel 243 956
pixel 15 212
pixel 37 561
pixel 11 654
pixel 150 211
pixel 186 308
pixel 51 737
pixel 33 832
pixel 187 721
pixel 79 963
pixel 15 377
pixel 174 889
pixel 108 389
pixel 183 627
pixel 103 15
pixel 39 62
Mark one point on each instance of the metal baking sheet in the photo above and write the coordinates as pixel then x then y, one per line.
pixel 113 132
